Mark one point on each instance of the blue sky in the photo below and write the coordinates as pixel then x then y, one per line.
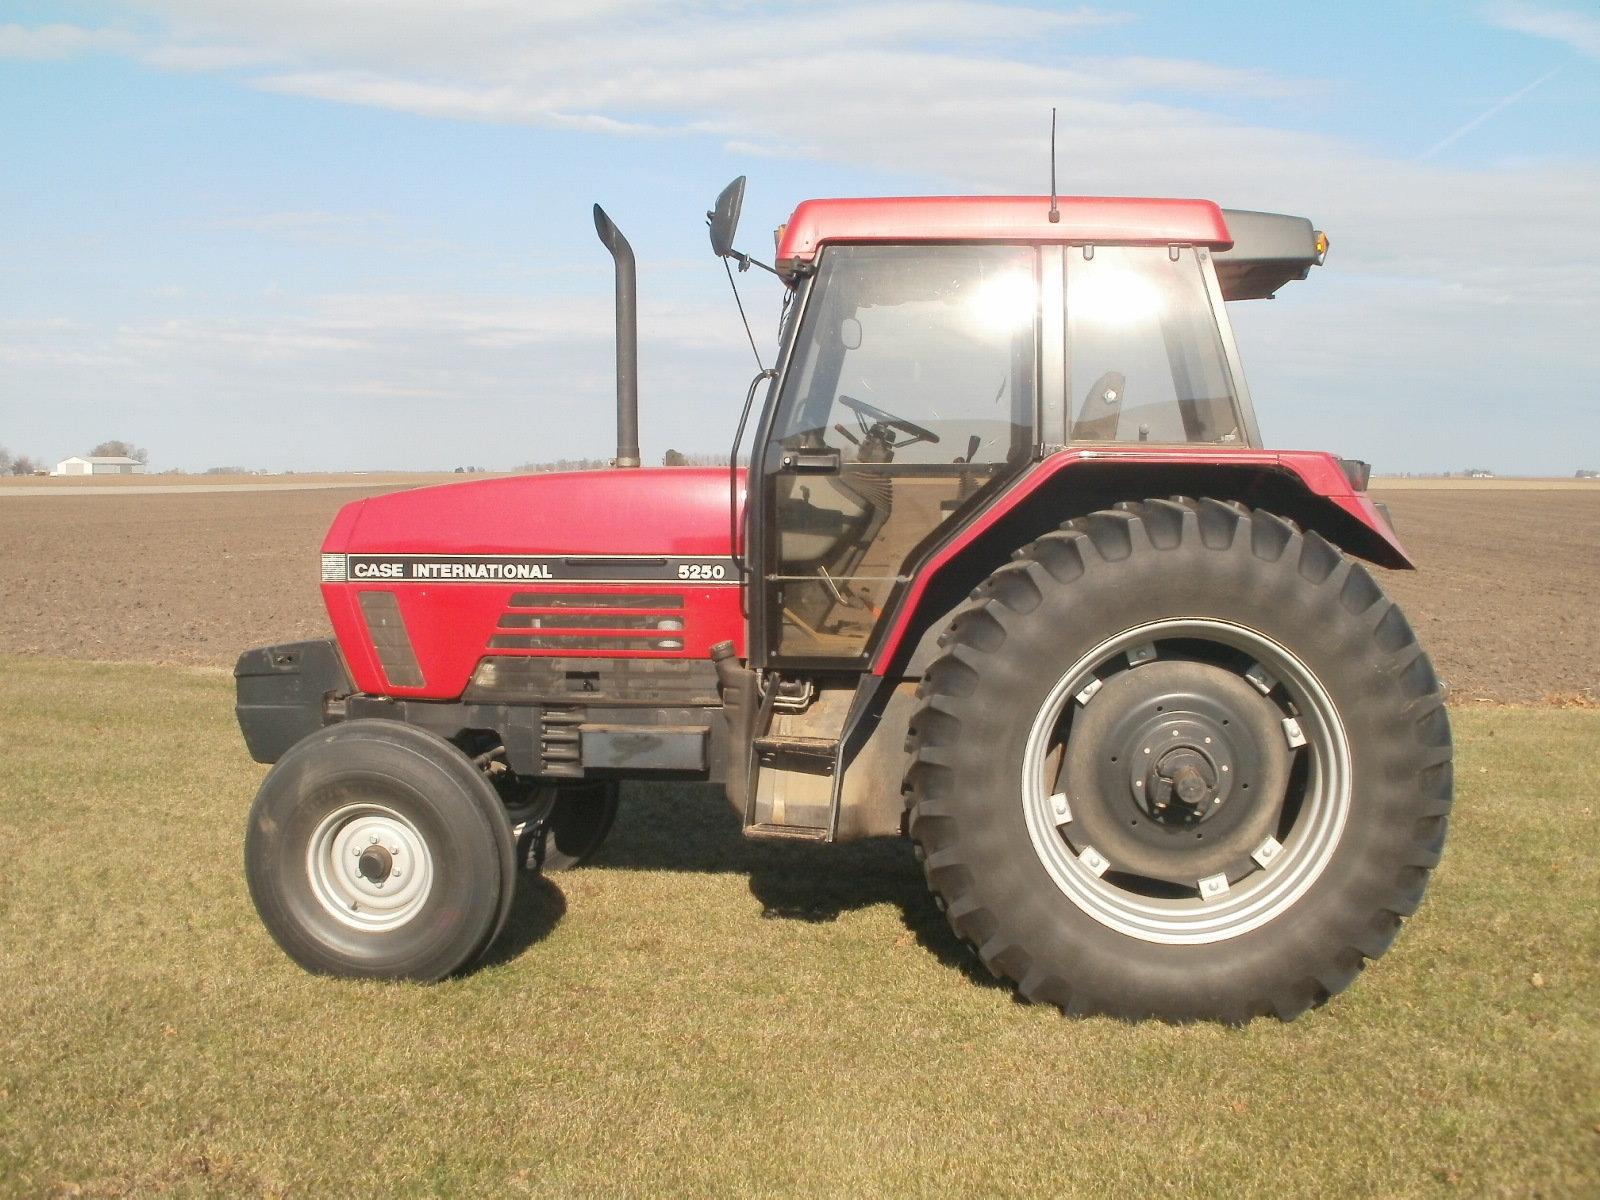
pixel 326 234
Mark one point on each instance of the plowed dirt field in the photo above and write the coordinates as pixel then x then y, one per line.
pixel 1507 599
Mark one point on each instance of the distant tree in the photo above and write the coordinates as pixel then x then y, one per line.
pixel 5 460
pixel 561 464
pixel 227 470
pixel 23 465
pixel 674 458
pixel 115 449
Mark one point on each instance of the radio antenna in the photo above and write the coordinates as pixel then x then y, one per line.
pixel 1055 212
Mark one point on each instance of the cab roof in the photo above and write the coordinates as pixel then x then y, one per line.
pixel 1256 253
pixel 1001 219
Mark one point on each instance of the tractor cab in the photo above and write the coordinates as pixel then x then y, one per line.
pixel 936 347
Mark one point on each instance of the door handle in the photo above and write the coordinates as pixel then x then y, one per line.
pixel 812 462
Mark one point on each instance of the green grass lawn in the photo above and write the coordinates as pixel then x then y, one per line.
pixel 698 1014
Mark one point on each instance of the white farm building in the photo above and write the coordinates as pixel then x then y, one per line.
pixel 99 466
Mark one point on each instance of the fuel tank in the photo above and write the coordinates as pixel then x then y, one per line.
pixel 467 586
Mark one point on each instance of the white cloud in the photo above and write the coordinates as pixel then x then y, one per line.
pixel 1470 281
pixel 953 91
pixel 57 41
pixel 1580 31
pixel 201 57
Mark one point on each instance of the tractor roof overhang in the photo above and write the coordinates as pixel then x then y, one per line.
pixel 1257 252
pixel 1000 219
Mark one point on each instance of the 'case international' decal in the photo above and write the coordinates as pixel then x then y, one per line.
pixel 522 568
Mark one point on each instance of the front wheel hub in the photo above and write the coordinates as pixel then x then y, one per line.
pixel 370 866
pixel 376 864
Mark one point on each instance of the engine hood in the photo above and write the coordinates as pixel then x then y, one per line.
pixel 655 511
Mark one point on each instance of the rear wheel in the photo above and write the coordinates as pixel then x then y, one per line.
pixel 376 849
pixel 1180 759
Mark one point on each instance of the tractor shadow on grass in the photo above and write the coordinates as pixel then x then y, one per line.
pixel 536 910
pixel 690 827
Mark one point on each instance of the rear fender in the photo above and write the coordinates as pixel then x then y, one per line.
pixel 1305 487
pixel 1308 488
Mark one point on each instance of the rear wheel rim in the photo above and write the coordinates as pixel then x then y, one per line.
pixel 1300 851
pixel 370 867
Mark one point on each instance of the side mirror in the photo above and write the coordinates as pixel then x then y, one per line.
pixel 724 218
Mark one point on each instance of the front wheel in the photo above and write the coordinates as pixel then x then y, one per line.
pixel 377 849
pixel 1180 759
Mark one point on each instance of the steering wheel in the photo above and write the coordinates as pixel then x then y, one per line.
pixel 865 412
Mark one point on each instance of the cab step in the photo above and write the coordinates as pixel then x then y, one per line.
pixel 786 833
pixel 815 751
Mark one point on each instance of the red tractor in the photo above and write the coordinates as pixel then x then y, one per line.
pixel 1010 573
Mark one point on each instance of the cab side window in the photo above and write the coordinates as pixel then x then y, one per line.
pixel 1145 360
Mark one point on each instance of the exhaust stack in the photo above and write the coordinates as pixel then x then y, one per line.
pixel 627 340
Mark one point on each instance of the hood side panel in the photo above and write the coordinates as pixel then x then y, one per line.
pixel 582 565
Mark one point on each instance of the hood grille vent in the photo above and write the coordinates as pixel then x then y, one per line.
pixel 389 638
pixel 592 621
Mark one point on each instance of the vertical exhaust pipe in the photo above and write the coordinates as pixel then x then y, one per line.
pixel 627 340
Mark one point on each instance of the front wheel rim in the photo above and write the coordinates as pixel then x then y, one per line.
pixel 1292 863
pixel 370 867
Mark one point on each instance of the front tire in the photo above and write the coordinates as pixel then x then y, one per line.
pixel 377 850
pixel 1181 760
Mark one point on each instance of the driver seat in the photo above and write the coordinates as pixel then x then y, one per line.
pixel 1102 410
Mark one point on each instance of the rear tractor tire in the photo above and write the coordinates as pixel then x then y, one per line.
pixel 1180 759
pixel 376 849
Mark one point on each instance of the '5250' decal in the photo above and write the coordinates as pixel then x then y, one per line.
pixel 702 571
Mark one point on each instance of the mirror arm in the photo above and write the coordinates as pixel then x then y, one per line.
pixel 746 262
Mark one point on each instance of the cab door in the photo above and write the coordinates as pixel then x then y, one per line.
pixel 911 391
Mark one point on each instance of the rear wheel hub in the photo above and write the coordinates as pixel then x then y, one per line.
pixel 1176 771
